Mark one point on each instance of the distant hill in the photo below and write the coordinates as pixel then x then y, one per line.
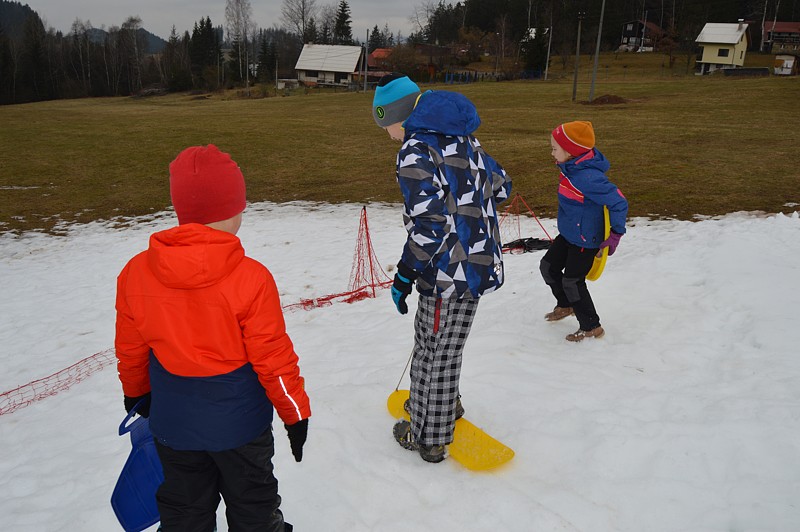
pixel 155 44
pixel 14 14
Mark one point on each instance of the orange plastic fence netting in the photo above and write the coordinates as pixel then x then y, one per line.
pixel 366 278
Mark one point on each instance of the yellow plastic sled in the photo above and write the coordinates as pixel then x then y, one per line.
pixel 471 447
pixel 600 262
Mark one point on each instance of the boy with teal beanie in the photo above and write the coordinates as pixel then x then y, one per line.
pixel 451 188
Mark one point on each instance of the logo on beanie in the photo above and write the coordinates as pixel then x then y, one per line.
pixel 380 112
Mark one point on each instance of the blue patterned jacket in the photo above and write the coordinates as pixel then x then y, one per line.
pixel 451 188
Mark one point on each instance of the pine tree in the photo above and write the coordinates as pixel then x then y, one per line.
pixel 342 31
pixel 311 34
pixel 376 39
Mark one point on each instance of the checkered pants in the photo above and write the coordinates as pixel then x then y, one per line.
pixel 441 327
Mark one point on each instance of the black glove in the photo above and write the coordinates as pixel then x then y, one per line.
pixel 143 410
pixel 297 437
pixel 403 281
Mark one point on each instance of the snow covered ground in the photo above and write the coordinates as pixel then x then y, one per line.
pixel 686 416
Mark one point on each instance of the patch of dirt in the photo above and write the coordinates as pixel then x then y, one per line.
pixel 607 99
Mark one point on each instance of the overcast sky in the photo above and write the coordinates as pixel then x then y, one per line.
pixel 158 16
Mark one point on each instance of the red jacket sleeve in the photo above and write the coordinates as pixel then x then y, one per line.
pixel 132 352
pixel 270 351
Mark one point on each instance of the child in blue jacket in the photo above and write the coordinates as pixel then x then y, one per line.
pixel 583 190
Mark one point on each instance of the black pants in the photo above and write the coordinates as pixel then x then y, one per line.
pixel 193 481
pixel 564 268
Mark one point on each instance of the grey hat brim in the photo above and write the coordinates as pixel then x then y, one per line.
pixel 397 111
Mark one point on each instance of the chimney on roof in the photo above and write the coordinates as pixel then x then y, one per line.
pixel 741 23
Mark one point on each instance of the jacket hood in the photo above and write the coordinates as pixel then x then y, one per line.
pixel 590 160
pixel 193 256
pixel 448 113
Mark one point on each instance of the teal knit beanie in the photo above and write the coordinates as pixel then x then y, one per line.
pixel 395 97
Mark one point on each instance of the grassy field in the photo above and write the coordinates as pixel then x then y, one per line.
pixel 679 146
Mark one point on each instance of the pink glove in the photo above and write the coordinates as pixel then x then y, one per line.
pixel 611 242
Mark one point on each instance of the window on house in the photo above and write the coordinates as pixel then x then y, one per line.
pixel 629 27
pixel 312 73
pixel 723 52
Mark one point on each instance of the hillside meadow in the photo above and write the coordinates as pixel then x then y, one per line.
pixel 679 146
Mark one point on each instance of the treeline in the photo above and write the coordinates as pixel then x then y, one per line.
pixel 511 27
pixel 38 63
pixel 42 64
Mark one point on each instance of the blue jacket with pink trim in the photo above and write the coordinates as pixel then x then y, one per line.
pixel 583 189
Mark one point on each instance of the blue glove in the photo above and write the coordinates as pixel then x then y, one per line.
pixel 403 281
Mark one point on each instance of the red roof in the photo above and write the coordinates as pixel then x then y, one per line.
pixel 381 53
pixel 378 56
pixel 783 27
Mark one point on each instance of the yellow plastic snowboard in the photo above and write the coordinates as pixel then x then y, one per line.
pixel 600 262
pixel 471 447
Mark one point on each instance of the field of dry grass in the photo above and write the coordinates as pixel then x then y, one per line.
pixel 678 146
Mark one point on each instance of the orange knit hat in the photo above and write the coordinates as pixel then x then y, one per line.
pixel 575 137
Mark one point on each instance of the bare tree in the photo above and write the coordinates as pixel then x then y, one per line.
pixel 422 16
pixel 326 21
pixel 295 15
pixel 134 49
pixel 238 24
pixel 80 38
pixel 111 59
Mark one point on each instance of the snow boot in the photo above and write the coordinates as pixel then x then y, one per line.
pixel 432 453
pixel 580 334
pixel 459 408
pixel 559 313
pixel 429 453
pixel 403 436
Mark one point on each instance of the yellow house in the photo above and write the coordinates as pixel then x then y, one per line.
pixel 723 46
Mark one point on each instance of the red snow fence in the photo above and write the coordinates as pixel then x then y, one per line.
pixel 511 228
pixel 366 274
pixel 366 278
pixel 22 396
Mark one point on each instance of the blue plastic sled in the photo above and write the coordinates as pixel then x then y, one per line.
pixel 134 497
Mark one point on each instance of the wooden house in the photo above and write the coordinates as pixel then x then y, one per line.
pixel 784 37
pixel 722 46
pixel 328 65
pixel 640 36
pixel 378 59
pixel 786 65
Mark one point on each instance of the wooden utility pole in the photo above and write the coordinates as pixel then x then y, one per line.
pixel 597 51
pixel 366 60
pixel 581 16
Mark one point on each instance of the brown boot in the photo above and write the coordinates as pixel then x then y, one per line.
pixel 580 334
pixel 559 313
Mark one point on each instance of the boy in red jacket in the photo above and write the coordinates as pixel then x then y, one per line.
pixel 200 337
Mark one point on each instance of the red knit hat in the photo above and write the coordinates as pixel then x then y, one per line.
pixel 205 185
pixel 575 137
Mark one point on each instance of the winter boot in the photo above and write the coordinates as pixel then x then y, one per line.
pixel 429 453
pixel 403 436
pixel 559 313
pixel 433 453
pixel 580 334
pixel 459 408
